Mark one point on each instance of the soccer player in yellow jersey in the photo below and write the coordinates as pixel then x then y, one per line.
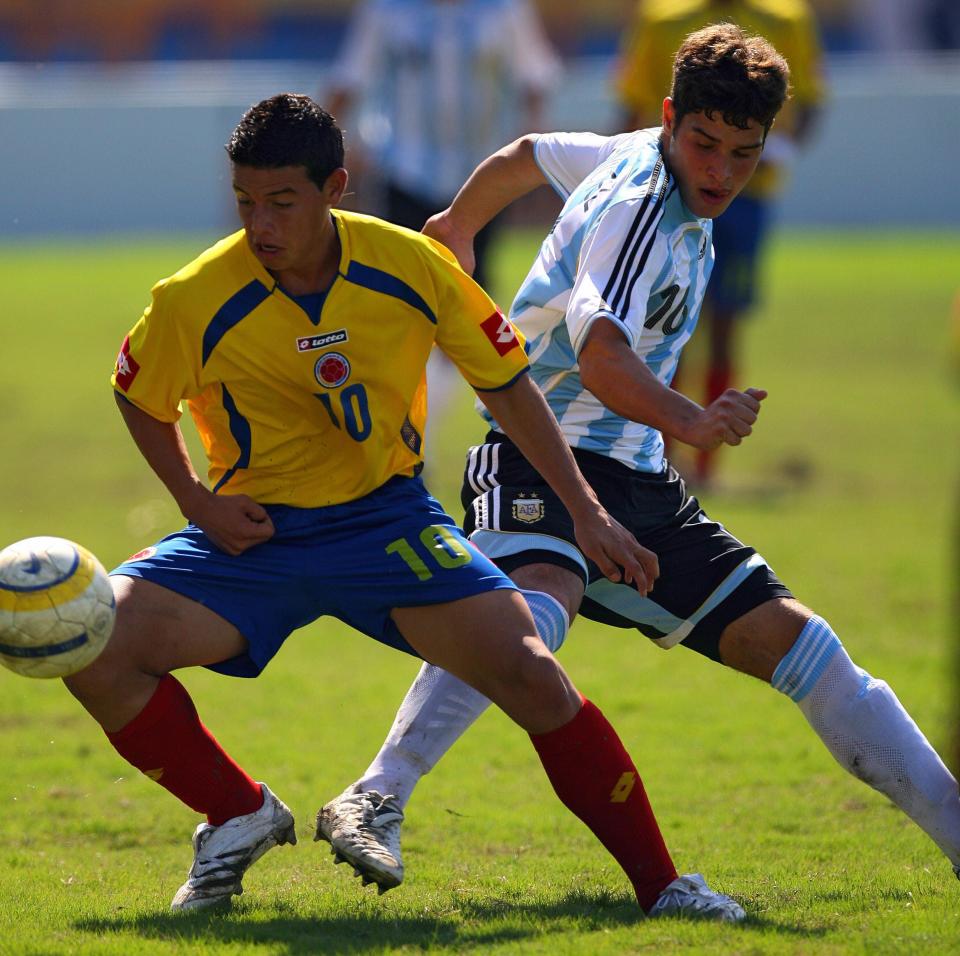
pixel 646 70
pixel 299 345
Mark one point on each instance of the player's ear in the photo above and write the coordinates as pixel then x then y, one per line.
pixel 335 186
pixel 668 116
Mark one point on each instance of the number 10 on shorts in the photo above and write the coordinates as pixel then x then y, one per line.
pixel 442 545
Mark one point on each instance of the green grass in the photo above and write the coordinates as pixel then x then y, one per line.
pixel 848 487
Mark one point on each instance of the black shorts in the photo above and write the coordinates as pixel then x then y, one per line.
pixel 707 577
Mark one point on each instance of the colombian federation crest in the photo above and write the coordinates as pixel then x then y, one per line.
pixel 528 508
pixel 332 369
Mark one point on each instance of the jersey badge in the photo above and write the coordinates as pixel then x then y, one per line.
pixel 127 366
pixel 310 343
pixel 142 555
pixel 500 333
pixel 332 369
pixel 528 508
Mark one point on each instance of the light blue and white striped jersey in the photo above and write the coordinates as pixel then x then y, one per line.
pixel 624 248
pixel 443 80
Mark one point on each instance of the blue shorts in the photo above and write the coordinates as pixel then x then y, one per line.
pixel 737 236
pixel 395 547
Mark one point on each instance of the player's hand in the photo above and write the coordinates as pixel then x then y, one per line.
pixel 727 420
pixel 233 523
pixel 616 552
pixel 442 228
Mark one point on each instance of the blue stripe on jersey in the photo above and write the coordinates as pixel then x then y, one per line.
pixel 240 429
pixel 234 310
pixel 651 235
pixel 624 267
pixel 384 282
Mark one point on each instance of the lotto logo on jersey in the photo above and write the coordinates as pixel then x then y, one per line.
pixel 310 343
pixel 332 369
pixel 500 332
pixel 127 366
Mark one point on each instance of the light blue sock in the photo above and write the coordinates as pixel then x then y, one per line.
pixel 869 733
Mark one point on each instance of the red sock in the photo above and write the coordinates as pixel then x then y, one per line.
pixel 167 742
pixel 719 379
pixel 595 778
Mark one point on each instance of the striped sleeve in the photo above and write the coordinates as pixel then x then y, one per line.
pixel 618 262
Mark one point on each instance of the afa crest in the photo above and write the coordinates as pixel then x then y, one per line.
pixel 528 508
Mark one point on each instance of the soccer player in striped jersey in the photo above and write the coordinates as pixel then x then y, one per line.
pixel 606 309
pixel 299 344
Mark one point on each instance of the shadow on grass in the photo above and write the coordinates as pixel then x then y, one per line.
pixel 468 925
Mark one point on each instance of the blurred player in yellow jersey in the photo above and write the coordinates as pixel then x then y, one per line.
pixel 645 70
pixel 299 344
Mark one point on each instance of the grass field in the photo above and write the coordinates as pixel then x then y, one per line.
pixel 848 487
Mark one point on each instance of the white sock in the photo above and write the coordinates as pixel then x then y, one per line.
pixel 438 709
pixel 869 733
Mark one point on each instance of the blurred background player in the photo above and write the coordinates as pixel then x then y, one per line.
pixel 657 30
pixel 447 82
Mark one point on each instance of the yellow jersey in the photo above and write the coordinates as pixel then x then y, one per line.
pixel 645 74
pixel 313 406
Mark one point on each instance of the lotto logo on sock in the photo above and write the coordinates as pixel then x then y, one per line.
pixel 624 787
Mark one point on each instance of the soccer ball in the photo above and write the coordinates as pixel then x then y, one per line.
pixel 56 607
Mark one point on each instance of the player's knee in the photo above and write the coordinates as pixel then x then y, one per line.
pixel 540 678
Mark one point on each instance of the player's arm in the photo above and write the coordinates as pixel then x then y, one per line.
pixel 614 373
pixel 522 412
pixel 498 181
pixel 233 522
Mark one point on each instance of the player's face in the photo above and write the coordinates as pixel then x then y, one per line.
pixel 286 216
pixel 710 159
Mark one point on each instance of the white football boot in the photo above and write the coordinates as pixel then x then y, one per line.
pixel 689 895
pixel 363 829
pixel 223 854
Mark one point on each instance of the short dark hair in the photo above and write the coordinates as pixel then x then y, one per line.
pixel 721 69
pixel 288 129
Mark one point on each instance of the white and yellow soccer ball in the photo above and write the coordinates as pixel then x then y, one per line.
pixel 56 607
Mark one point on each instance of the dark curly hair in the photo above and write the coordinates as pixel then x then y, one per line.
pixel 721 69
pixel 288 129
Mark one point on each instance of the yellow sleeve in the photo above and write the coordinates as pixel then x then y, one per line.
pixel 472 331
pixel 156 368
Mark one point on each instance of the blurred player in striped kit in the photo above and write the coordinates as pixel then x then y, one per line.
pixel 431 87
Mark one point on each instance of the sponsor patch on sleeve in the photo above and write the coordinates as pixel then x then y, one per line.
pixel 500 333
pixel 127 366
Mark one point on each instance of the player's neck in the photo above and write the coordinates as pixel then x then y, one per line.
pixel 317 272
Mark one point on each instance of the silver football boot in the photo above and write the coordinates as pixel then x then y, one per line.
pixel 223 854
pixel 689 895
pixel 363 829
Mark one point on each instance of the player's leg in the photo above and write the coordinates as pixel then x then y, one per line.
pixel 439 708
pixel 859 718
pixel 151 721
pixel 363 823
pixel 489 641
